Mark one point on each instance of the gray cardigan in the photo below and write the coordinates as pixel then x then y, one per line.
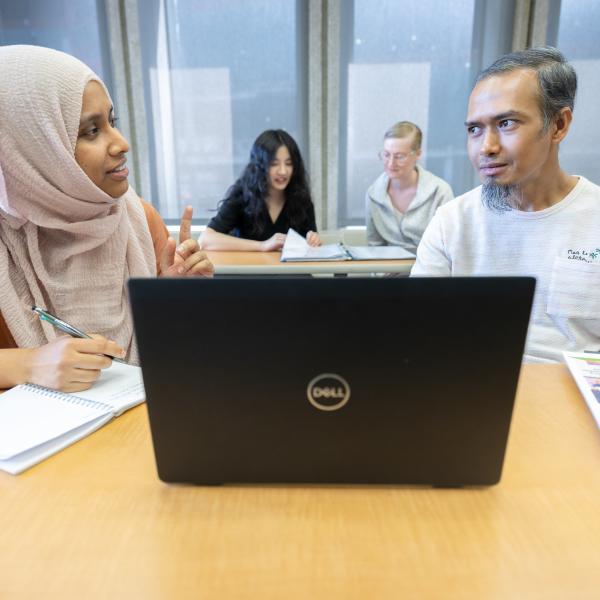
pixel 388 227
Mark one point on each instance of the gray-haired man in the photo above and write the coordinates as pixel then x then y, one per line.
pixel 529 217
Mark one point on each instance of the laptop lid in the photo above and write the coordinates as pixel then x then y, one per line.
pixel 331 380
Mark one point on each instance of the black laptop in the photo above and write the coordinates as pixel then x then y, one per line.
pixel 331 380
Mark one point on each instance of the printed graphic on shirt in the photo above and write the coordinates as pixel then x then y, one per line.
pixel 585 255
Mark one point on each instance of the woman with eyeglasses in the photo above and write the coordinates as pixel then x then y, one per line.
pixel 271 196
pixel 404 198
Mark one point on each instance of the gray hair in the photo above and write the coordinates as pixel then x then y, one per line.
pixel 556 77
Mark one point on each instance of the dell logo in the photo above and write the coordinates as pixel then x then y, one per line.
pixel 328 391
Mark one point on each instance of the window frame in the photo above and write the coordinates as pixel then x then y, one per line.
pixel 534 24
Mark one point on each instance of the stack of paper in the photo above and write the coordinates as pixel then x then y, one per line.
pixel 296 248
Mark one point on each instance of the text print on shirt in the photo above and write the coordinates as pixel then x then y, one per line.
pixel 589 256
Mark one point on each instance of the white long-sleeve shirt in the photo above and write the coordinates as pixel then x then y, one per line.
pixel 560 246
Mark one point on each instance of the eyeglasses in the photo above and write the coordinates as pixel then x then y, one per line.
pixel 386 157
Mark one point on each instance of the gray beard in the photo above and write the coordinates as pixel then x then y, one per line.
pixel 500 198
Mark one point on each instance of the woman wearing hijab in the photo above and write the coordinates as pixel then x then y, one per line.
pixel 72 230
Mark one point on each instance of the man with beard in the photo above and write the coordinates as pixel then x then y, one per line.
pixel 529 217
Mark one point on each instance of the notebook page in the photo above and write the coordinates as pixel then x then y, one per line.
pixel 18 463
pixel 30 415
pixel 120 386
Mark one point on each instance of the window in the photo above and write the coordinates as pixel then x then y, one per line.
pixel 77 28
pixel 216 75
pixel 411 61
pixel 578 28
pixel 198 80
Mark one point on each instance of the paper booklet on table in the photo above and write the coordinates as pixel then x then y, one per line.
pixel 36 422
pixel 585 368
pixel 296 248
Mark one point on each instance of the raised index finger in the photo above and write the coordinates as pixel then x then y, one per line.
pixel 185 228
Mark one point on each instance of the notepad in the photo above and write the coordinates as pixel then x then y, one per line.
pixel 36 422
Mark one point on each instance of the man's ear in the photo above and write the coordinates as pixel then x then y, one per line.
pixel 561 124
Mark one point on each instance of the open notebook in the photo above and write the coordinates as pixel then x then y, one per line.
pixel 296 248
pixel 36 422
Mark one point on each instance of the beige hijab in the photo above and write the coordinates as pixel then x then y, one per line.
pixel 65 245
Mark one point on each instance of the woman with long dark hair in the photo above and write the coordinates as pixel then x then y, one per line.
pixel 271 196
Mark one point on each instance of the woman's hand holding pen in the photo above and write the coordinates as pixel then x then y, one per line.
pixel 186 258
pixel 70 364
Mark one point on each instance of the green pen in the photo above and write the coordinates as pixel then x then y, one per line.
pixel 63 326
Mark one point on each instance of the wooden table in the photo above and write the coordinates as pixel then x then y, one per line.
pixel 268 263
pixel 94 522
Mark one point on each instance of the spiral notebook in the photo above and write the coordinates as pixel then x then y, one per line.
pixel 36 422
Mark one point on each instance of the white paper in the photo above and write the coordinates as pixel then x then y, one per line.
pixel 36 422
pixel 18 463
pixel 120 386
pixel 30 416
pixel 296 248
pixel 378 253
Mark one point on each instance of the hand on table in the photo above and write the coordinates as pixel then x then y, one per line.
pixel 274 243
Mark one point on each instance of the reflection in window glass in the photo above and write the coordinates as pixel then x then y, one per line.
pixel 579 25
pixel 410 61
pixel 73 27
pixel 233 69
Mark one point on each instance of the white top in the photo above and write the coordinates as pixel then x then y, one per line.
pixel 387 226
pixel 559 245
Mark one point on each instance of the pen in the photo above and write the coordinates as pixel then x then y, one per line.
pixel 64 326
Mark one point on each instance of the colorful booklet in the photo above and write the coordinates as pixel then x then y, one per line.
pixel 585 368
pixel 36 422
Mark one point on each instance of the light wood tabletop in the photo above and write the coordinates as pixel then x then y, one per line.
pixel 95 522
pixel 269 263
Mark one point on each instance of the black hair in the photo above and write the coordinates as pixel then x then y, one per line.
pixel 253 183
